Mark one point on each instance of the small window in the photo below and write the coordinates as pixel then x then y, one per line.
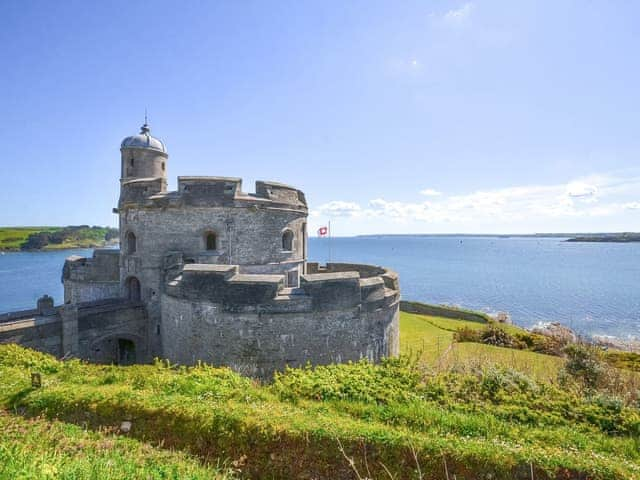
pixel 163 166
pixel 131 162
pixel 287 240
pixel 131 243
pixel 292 279
pixel 211 241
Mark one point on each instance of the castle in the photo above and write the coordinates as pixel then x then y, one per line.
pixel 211 273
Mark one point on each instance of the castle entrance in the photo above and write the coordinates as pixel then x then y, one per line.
pixel 126 352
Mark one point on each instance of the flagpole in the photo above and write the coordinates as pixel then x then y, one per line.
pixel 329 241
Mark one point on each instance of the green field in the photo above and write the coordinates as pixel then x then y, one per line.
pixel 11 238
pixel 431 339
pixel 53 238
pixel 452 413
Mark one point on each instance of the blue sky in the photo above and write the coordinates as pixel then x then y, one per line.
pixel 393 117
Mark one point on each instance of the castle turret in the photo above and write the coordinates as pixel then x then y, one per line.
pixel 143 157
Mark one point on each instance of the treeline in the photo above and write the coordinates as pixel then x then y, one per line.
pixel 81 235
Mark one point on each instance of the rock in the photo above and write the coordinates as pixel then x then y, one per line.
pixel 503 317
pixel 557 331
pixel 125 427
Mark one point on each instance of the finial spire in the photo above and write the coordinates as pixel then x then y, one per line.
pixel 145 128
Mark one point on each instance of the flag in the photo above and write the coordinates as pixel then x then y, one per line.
pixel 322 231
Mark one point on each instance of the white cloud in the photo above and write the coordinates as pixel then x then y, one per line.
pixel 338 208
pixel 590 197
pixel 581 190
pixel 460 16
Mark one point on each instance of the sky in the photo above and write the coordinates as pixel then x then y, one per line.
pixel 392 117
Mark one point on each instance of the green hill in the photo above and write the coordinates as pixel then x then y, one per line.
pixel 54 238
pixel 439 417
pixel 12 238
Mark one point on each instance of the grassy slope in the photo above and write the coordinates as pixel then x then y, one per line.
pixel 36 448
pixel 12 237
pixel 487 424
pixel 432 339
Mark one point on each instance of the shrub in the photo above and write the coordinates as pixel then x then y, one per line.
pixel 494 335
pixel 626 360
pixel 467 334
pixel 584 365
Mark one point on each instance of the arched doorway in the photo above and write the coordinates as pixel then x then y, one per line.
pixel 126 352
pixel 133 289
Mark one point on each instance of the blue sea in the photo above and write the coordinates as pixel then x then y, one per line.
pixel 591 287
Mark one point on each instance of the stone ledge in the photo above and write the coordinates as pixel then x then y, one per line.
pixel 327 277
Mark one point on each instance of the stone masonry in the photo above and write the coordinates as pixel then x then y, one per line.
pixel 211 273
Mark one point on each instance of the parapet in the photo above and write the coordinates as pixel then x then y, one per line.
pixel 102 267
pixel 209 187
pixel 139 189
pixel 324 291
pixel 279 192
pixel 211 192
pixel 223 284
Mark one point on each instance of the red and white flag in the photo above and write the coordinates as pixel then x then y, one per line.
pixel 323 231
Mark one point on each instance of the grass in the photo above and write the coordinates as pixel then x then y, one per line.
pixel 465 407
pixel 431 338
pixel 37 449
pixel 492 421
pixel 536 365
pixel 11 238
pixel 52 238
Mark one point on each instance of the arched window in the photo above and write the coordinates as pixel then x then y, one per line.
pixel 210 240
pixel 133 289
pixel 287 240
pixel 131 243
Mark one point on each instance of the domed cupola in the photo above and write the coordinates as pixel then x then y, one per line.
pixel 144 157
pixel 143 140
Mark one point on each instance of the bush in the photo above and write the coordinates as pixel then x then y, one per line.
pixel 584 365
pixel 626 360
pixel 466 334
pixel 548 345
pixel 494 335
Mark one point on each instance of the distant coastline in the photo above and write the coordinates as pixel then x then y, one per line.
pixel 619 237
pixel 607 237
pixel 17 239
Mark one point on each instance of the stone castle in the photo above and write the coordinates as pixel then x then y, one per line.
pixel 211 273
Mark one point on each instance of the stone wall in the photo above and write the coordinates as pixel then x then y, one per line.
pixel 42 333
pixel 101 326
pixel 91 331
pixel 215 314
pixel 92 279
pixel 258 343
pixel 444 311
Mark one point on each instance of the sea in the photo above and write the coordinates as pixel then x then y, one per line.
pixel 594 288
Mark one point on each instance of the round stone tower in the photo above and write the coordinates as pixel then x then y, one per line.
pixel 143 174
pixel 143 156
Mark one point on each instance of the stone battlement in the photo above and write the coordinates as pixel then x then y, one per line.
pixel 89 279
pixel 333 287
pixel 210 191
